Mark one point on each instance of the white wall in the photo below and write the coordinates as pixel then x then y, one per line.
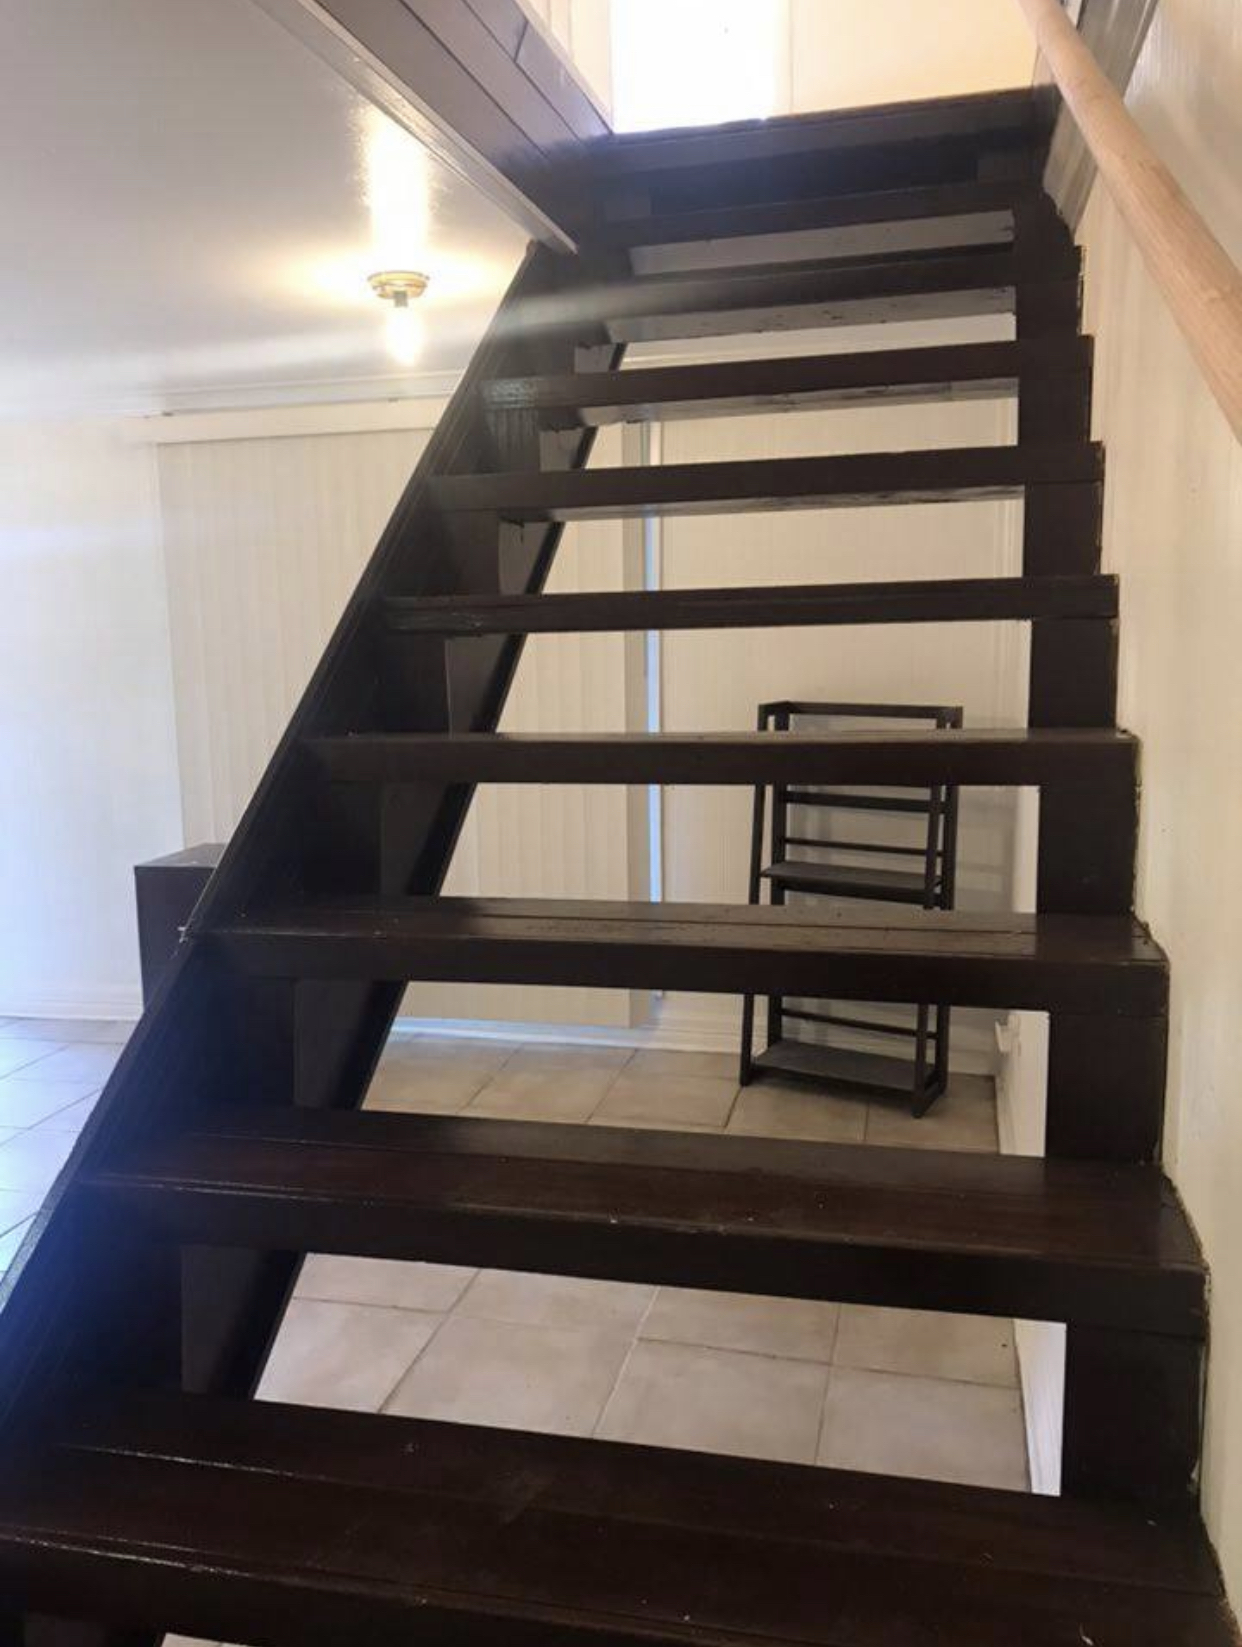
pixel 846 52
pixel 1173 531
pixel 88 772
pixel 756 58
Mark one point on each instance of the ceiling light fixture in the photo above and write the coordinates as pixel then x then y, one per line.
pixel 400 287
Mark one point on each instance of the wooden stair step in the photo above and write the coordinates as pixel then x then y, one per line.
pixel 831 140
pixel 1099 1245
pixel 939 600
pixel 832 292
pixel 838 880
pixel 719 388
pixel 294 1525
pixel 1070 963
pixel 826 211
pixel 914 758
pixel 937 476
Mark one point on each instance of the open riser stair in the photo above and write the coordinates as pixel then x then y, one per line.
pixel 143 1489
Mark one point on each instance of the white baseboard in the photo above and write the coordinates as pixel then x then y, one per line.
pixel 1041 1369
pixel 117 1001
pixel 681 1024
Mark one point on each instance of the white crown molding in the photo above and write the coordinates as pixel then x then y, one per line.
pixel 279 422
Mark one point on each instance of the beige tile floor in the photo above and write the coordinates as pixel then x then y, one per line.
pixel 861 1388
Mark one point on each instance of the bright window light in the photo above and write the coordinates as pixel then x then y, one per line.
pixel 694 62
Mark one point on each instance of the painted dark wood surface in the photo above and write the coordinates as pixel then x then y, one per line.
pixel 943 476
pixel 939 600
pixel 839 292
pixel 966 757
pixel 317 1527
pixel 719 388
pixel 1048 963
pixel 830 211
pixel 1065 1241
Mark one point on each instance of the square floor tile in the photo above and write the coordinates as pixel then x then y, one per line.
pixel 10 1241
pixel 926 1427
pixel 513 1376
pixel 446 1052
pixel 85 1062
pixel 343 1355
pixel 18 1052
pixel 798 1329
pixel 26 1101
pixel 669 1100
pixel 383 1281
pixel 556 1301
pixel 964 1118
pixel 114 1031
pixel 677 1395
pixel 780 1109
pixel 551 1058
pixel 435 1089
pixel 543 1094
pixel 72 1118
pixel 31 1160
pixel 721 1066
pixel 17 1205
pixel 975 1348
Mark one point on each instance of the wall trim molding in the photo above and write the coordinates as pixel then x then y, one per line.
pixel 673 1028
pixel 351 417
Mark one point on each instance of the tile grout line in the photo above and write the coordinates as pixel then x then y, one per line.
pixel 625 1361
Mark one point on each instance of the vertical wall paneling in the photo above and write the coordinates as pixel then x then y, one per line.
pixel 264 539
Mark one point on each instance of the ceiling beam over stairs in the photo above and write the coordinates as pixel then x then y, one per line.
pixel 478 81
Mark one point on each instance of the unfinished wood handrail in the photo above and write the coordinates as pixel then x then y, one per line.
pixel 1200 282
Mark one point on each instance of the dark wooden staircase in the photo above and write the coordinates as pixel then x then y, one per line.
pixel 142 1490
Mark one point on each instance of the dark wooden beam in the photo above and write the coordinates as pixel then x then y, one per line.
pixel 477 81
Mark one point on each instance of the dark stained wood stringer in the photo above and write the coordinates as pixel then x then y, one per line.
pixel 141 1489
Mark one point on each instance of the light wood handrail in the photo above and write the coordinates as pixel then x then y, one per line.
pixel 1201 283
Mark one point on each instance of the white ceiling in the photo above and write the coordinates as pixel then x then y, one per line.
pixel 191 202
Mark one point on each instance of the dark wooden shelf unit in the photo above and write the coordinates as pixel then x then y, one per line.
pixel 919 873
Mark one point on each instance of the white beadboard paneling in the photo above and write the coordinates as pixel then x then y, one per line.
pixel 265 538
pixel 571 841
pixel 264 541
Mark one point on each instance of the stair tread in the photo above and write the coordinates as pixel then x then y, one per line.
pixel 935 600
pixel 947 283
pixel 772 483
pixel 832 138
pixel 952 756
pixel 1051 962
pixel 825 211
pixel 322 1527
pixel 719 387
pixel 851 880
pixel 1066 1241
